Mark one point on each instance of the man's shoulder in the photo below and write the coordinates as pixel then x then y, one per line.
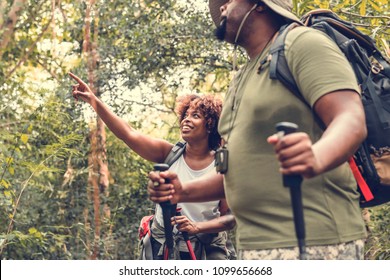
pixel 303 34
pixel 304 41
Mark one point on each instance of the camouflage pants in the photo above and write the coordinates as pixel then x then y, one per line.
pixel 353 250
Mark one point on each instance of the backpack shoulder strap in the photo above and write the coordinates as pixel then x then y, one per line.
pixel 175 152
pixel 279 69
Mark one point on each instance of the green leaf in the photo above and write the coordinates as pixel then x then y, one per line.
pixel 10 160
pixel 24 138
pixel 32 230
pixel 4 183
pixel 11 170
pixel 375 6
pixel 363 7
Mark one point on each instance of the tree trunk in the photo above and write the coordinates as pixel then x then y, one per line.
pixel 99 173
pixel 8 25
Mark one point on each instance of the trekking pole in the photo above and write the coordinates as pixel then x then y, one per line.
pixel 186 238
pixel 168 210
pixel 294 183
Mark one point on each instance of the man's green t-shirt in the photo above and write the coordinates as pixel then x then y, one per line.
pixel 253 184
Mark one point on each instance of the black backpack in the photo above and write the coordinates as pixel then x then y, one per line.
pixel 371 163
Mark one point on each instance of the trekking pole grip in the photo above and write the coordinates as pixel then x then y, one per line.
pixel 285 128
pixel 168 210
pixel 294 183
pixel 162 167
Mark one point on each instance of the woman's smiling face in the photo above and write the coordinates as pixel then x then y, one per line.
pixel 193 125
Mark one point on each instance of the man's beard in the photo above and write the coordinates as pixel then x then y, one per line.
pixel 220 31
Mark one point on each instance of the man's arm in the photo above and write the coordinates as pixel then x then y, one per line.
pixel 206 188
pixel 343 115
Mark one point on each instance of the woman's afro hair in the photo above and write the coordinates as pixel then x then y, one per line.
pixel 210 106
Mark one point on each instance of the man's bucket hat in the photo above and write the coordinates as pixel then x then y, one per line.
pixel 281 7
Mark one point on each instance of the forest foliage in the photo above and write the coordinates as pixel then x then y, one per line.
pixel 68 188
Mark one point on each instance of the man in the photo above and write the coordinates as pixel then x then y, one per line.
pixel 254 104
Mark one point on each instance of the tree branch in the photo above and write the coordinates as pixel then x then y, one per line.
pixel 54 75
pixel 27 54
pixel 360 16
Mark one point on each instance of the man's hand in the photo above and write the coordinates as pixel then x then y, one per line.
pixel 295 154
pixel 159 191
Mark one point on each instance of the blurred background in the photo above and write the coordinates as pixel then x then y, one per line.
pixel 69 189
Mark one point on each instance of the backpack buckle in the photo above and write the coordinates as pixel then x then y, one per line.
pixel 377 68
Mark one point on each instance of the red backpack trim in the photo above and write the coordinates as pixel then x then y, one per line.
pixel 144 227
pixel 366 192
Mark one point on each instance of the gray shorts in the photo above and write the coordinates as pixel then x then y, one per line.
pixel 353 250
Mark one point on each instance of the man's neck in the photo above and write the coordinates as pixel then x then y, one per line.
pixel 262 31
pixel 258 43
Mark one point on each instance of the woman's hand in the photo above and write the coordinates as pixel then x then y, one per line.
pixel 184 224
pixel 81 90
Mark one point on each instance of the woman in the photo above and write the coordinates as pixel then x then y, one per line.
pixel 206 222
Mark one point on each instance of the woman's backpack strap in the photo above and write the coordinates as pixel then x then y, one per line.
pixel 175 152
